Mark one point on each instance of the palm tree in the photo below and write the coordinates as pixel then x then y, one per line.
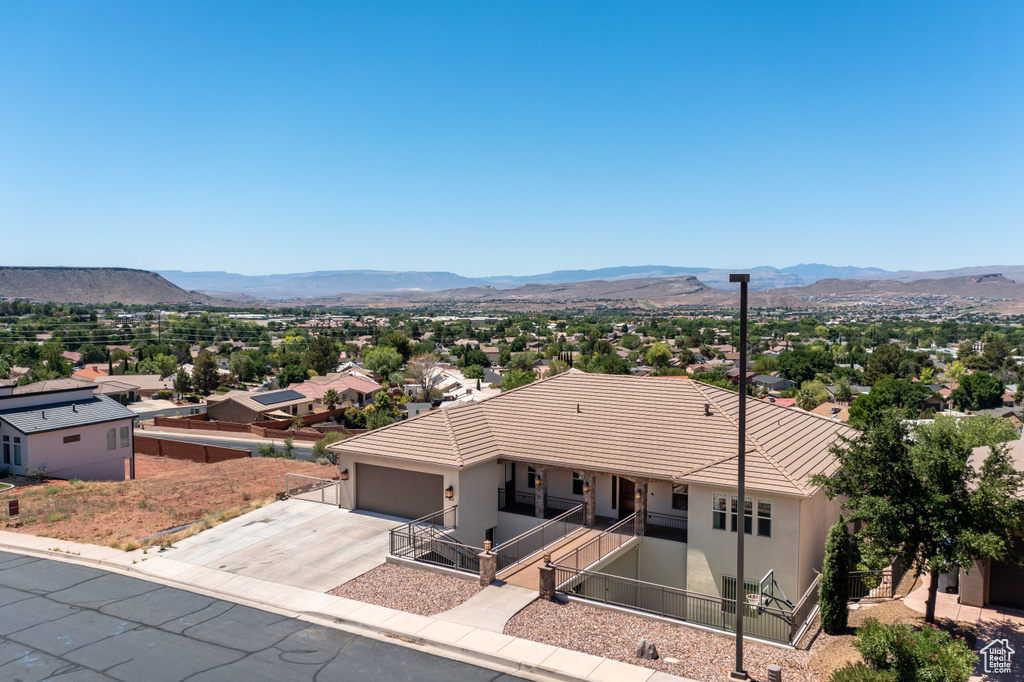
pixel 805 399
pixel 331 398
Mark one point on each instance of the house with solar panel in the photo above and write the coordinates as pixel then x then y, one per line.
pixel 64 429
pixel 244 407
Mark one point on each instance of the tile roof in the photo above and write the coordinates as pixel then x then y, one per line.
pixel 48 385
pixel 65 415
pixel 577 420
pixel 353 382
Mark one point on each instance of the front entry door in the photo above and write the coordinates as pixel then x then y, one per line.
pixel 627 500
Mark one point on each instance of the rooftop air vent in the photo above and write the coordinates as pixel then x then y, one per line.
pixel 707 409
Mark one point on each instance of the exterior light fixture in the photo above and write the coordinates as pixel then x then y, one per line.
pixel 547 559
pixel 449 493
pixel 586 488
pixel 344 474
pixel 638 495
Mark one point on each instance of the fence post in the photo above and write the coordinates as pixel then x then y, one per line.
pixel 489 567
pixel 547 582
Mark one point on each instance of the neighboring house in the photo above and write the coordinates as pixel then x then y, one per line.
pixel 773 383
pixel 781 402
pixel 355 389
pixel 671 460
pixel 62 427
pixel 147 385
pixel 89 373
pixel 416 409
pixel 833 411
pixel 996 583
pixel 245 408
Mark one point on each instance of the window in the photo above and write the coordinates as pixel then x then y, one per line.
pixel 718 512
pixel 17 451
pixel 111 439
pixel 615 491
pixel 577 483
pixel 680 496
pixel 73 439
pixel 531 477
pixel 748 514
pixel 7 449
pixel 764 518
pixel 124 436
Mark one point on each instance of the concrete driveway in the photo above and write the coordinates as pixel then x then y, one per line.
pixel 294 542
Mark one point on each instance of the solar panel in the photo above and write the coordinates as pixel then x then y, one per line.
pixel 277 397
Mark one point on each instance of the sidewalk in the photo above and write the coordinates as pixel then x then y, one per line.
pixel 440 637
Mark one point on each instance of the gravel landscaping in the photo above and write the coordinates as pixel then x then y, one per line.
pixel 700 655
pixel 408 589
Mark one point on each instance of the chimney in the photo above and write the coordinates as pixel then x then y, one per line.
pixel 707 409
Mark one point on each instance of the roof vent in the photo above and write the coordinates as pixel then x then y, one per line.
pixel 577 408
pixel 44 414
pixel 74 407
pixel 707 409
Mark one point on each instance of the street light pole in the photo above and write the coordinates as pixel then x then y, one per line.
pixel 741 505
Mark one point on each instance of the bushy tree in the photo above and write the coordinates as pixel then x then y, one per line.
pixel 382 360
pixel 205 375
pixel 658 355
pixel 515 378
pixel 321 354
pixel 473 372
pixel 886 359
pixel 182 382
pixel 331 399
pixel 834 583
pixel 978 391
pixel 291 374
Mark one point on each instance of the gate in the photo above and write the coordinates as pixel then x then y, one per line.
pixel 325 490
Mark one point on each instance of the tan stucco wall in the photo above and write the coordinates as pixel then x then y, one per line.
pixel 974 585
pixel 712 553
pixel 817 516
pixel 663 562
pixel 87 459
pixel 511 525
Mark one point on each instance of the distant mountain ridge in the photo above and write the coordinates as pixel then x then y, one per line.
pixel 92 285
pixel 332 282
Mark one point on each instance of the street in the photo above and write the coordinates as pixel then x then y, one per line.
pixel 303 451
pixel 62 621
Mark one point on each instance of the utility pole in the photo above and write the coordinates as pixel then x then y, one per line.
pixel 741 505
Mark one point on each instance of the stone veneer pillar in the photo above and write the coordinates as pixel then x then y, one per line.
pixel 547 582
pixel 488 567
pixel 640 494
pixel 540 500
pixel 590 497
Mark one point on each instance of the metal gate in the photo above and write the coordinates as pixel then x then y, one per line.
pixel 325 490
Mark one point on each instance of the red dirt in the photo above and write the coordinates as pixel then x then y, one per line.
pixel 165 494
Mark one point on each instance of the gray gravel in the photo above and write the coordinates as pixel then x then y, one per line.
pixel 408 589
pixel 701 655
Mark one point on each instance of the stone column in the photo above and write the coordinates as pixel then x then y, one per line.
pixel 488 567
pixel 590 497
pixel 540 500
pixel 547 582
pixel 641 505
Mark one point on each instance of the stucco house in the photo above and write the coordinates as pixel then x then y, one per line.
pixel 356 390
pixel 668 460
pixel 62 427
pixel 245 408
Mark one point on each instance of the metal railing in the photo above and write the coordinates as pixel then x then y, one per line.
pixel 518 548
pixel 665 527
pixel 403 536
pixel 439 550
pixel 671 602
pixel 804 611
pixel 518 502
pixel 871 584
pixel 601 546
pixel 311 488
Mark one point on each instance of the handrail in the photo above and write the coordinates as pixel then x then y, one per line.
pixel 629 521
pixel 512 551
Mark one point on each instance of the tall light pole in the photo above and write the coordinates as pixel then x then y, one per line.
pixel 741 465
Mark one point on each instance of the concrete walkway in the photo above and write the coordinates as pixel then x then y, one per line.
pixel 491 608
pixel 293 542
pixel 460 641
pixel 991 623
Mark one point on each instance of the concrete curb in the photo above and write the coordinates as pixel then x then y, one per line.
pixel 533 660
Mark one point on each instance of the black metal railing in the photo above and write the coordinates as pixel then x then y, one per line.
pixel 871 584
pixel 804 611
pixel 601 546
pixel 518 548
pixel 518 502
pixel 665 527
pixel 440 551
pixel 671 602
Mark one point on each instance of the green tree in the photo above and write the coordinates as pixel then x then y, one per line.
pixel 205 374
pixel 922 500
pixel 382 360
pixel 886 359
pixel 955 371
pixel 888 392
pixel 291 374
pixel 474 356
pixel 330 399
pixel 515 378
pixel 320 447
pixel 978 391
pixel 473 372
pixel 834 583
pixel 843 390
pixel 658 355
pixel 522 361
pixel 321 354
pixel 182 382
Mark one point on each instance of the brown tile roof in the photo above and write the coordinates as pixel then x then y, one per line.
pixel 578 421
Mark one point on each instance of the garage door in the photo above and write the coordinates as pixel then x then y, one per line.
pixel 1006 582
pixel 396 492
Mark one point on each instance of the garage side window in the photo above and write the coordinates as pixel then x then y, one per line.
pixel 125 433
pixel 7 449
pixel 111 439
pixel 17 451
pixel 72 439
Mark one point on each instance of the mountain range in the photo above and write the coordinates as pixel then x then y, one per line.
pixel 332 282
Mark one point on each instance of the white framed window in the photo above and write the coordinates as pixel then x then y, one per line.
pixel 111 439
pixel 764 518
pixel 718 511
pixel 680 496
pixel 748 514
pixel 17 451
pixel 7 449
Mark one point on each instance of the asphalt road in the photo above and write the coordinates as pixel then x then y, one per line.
pixel 73 623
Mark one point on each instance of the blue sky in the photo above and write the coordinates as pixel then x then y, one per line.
pixel 510 137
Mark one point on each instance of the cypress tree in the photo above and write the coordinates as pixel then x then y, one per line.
pixel 834 583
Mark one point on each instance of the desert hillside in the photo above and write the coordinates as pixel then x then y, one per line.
pixel 92 285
